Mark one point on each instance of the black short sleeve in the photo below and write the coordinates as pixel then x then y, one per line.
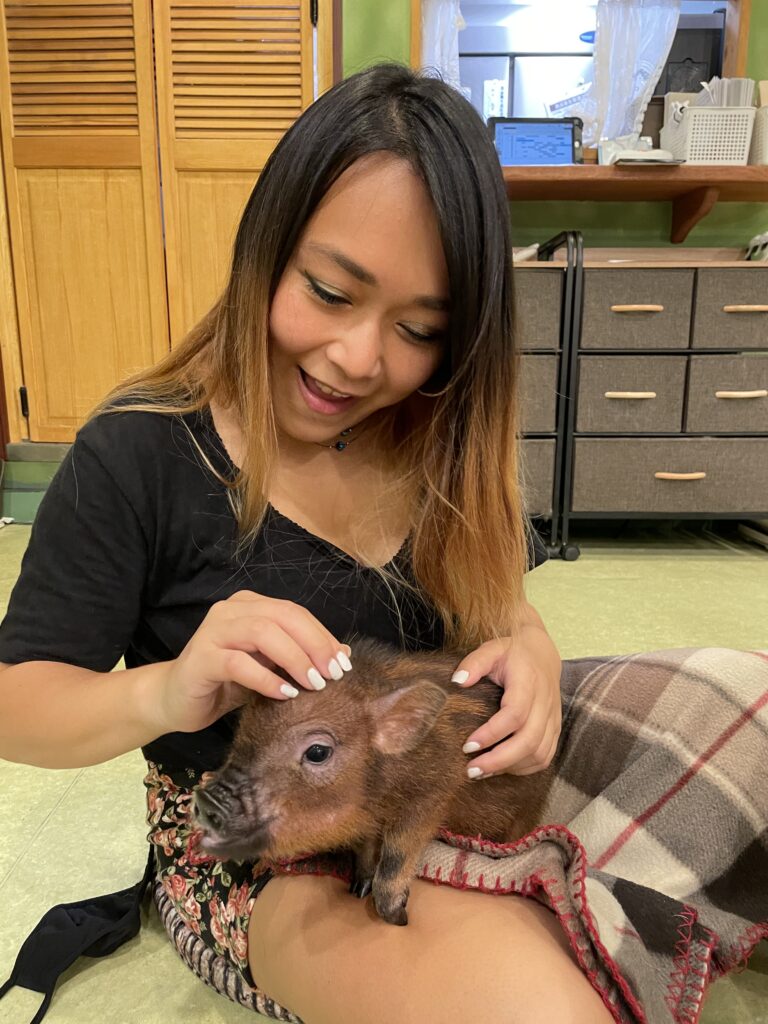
pixel 79 594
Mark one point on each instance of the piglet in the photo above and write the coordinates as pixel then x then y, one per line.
pixel 373 764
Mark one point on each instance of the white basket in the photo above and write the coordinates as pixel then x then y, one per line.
pixel 758 154
pixel 710 135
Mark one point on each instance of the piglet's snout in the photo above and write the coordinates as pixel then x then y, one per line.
pixel 232 825
pixel 212 809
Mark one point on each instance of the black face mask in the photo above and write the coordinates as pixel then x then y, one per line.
pixel 93 927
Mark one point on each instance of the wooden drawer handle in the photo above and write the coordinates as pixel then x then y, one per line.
pixel 638 309
pixel 745 309
pixel 762 393
pixel 680 476
pixel 630 394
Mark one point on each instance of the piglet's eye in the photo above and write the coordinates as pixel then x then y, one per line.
pixel 318 753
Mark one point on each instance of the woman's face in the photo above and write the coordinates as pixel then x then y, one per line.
pixel 359 316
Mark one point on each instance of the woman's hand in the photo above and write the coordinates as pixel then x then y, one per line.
pixel 235 650
pixel 528 668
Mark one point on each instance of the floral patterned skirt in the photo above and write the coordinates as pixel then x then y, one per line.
pixel 205 904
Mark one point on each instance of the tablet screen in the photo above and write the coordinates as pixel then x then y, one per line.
pixel 534 142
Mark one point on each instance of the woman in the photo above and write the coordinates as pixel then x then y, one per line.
pixel 282 482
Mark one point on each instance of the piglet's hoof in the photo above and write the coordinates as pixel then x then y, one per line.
pixel 392 908
pixel 360 887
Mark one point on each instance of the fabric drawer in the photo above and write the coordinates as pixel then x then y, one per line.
pixel 662 321
pixel 538 475
pixel 538 299
pixel 728 394
pixel 617 475
pixel 731 309
pixel 630 394
pixel 538 393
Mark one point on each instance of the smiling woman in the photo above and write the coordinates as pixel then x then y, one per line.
pixel 216 526
pixel 372 262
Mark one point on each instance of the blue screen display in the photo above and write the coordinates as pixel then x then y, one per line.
pixel 537 143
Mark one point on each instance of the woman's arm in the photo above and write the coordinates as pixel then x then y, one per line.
pixel 59 716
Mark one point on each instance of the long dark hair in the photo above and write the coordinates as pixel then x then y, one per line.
pixel 459 455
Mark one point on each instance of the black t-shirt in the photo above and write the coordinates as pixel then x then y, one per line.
pixel 134 541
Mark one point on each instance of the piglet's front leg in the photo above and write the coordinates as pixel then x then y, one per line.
pixel 366 858
pixel 398 862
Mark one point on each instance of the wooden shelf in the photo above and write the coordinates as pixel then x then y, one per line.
pixel 693 191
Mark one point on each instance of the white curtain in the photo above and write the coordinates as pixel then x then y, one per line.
pixel 441 22
pixel 632 44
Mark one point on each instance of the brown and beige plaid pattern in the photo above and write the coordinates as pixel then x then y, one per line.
pixel 653 848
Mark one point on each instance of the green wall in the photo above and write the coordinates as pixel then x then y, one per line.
pixel 380 30
pixel 375 30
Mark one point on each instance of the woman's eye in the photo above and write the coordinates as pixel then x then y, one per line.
pixel 424 336
pixel 318 753
pixel 330 298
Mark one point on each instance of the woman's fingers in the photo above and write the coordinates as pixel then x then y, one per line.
pixel 242 668
pixel 520 746
pixel 268 642
pixel 326 654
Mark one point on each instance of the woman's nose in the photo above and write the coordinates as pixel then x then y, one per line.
pixel 358 353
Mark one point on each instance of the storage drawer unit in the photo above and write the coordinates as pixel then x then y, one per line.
pixel 637 309
pixel 630 394
pixel 673 475
pixel 538 393
pixel 538 299
pixel 728 394
pixel 538 474
pixel 699 447
pixel 543 297
pixel 731 309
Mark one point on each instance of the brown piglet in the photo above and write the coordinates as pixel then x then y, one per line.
pixel 373 764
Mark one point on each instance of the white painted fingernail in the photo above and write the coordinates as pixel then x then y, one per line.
pixel 344 661
pixel 470 748
pixel 316 679
pixel 474 773
pixel 288 690
pixel 334 669
pixel 460 677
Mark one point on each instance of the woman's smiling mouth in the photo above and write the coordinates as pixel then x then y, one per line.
pixel 322 397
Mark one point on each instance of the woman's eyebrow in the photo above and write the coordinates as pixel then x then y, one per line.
pixel 354 268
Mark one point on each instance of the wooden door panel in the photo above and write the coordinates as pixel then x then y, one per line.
pixel 232 77
pixel 211 204
pixel 82 184
pixel 87 282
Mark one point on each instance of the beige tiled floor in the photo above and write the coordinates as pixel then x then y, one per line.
pixel 71 834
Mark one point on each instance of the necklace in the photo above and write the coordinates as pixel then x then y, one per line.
pixel 339 445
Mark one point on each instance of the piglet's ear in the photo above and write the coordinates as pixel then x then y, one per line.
pixel 403 718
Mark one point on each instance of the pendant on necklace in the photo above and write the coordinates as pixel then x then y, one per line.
pixel 339 445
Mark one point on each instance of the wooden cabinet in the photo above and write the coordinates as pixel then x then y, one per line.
pixel 82 193
pixel 132 135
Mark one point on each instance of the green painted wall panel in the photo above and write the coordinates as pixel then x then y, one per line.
pixel 379 30
pixel 375 30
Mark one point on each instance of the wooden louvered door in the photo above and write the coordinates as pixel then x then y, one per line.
pixel 82 187
pixel 231 78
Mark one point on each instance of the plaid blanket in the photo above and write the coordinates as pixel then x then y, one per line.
pixel 653 847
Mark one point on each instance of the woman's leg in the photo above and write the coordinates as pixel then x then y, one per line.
pixel 463 956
